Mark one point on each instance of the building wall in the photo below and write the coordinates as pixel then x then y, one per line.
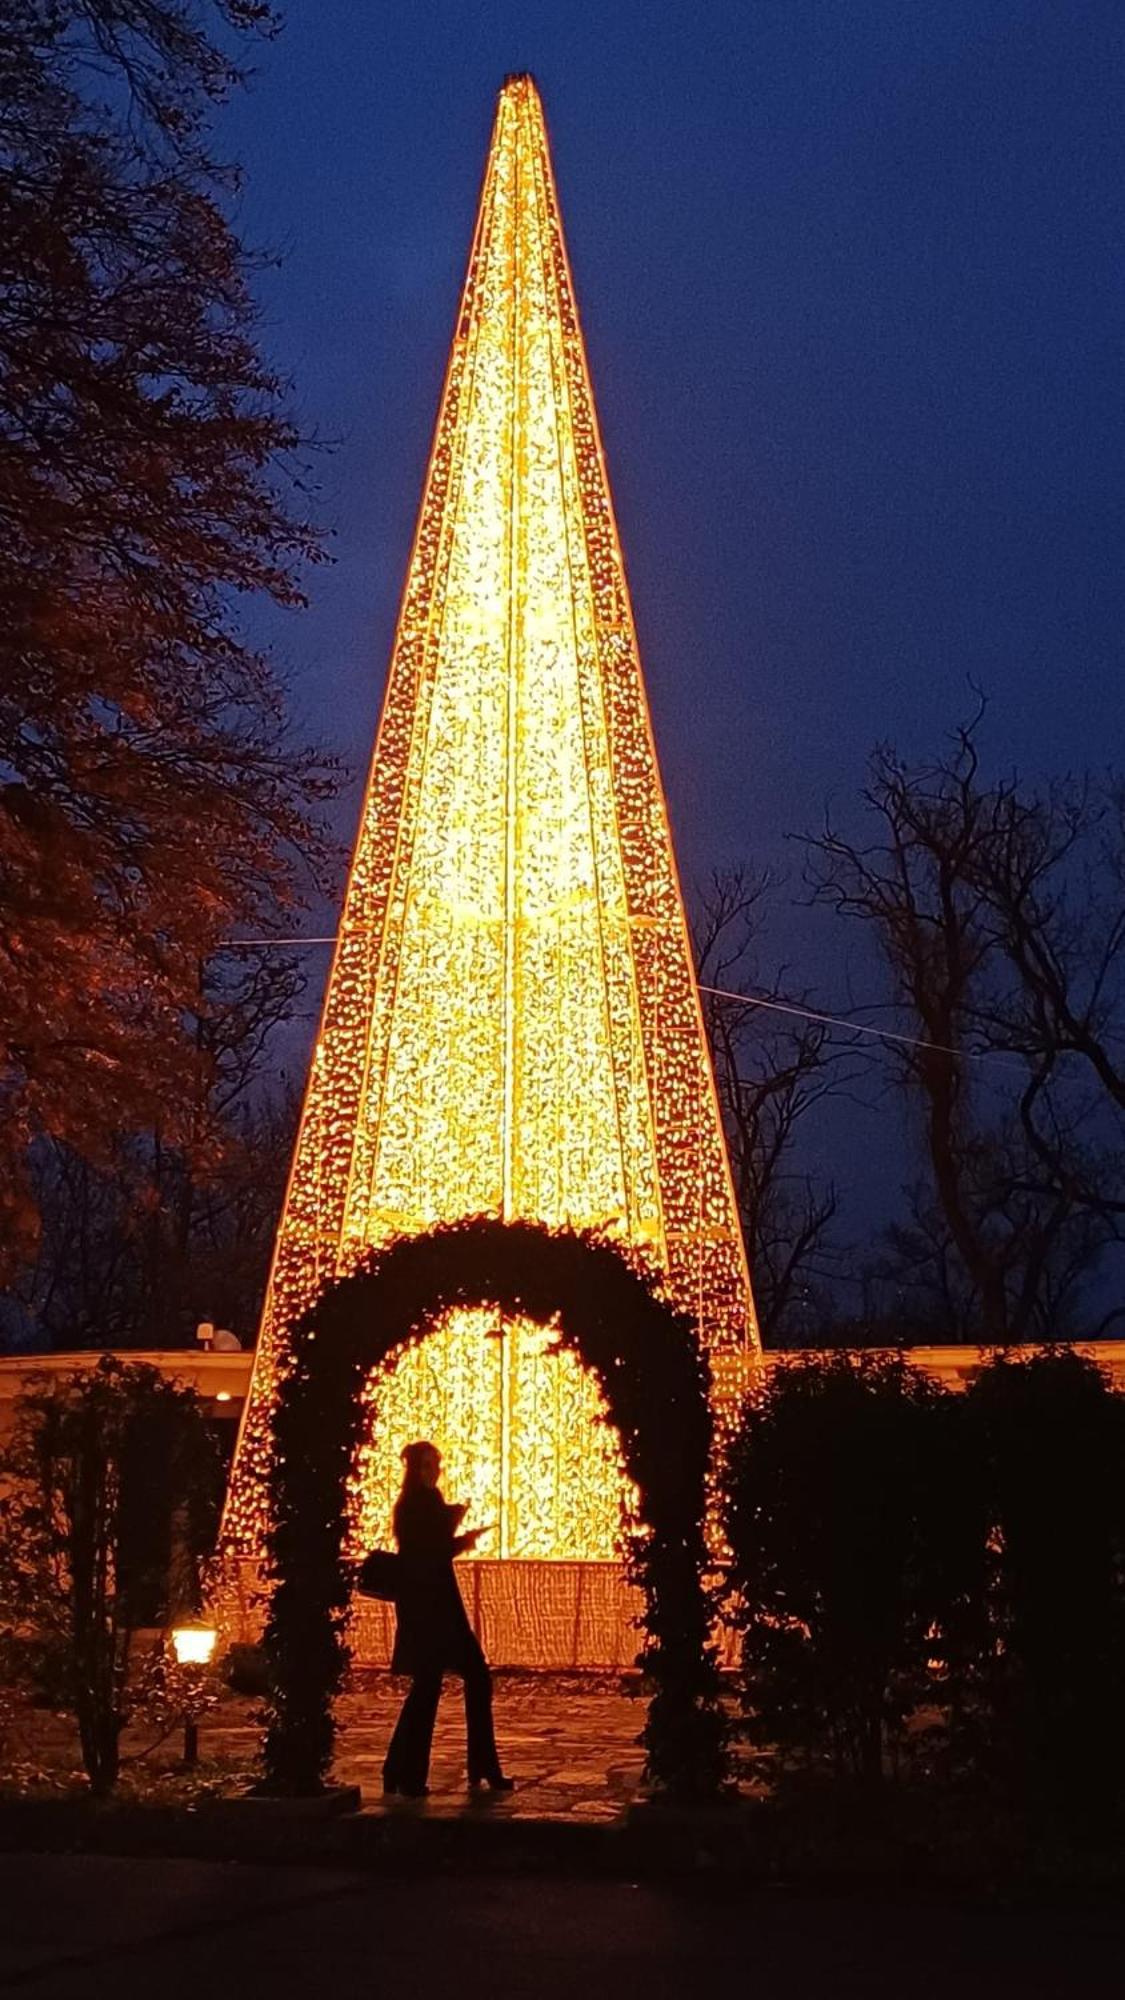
pixel 221 1379
pixel 224 1379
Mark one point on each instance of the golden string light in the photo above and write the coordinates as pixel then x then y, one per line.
pixel 511 1025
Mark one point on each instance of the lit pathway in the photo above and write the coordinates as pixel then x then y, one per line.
pixel 569 1741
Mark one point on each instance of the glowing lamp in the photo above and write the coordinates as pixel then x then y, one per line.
pixel 193 1643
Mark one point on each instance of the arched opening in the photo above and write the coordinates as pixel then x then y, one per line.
pixel 524 1433
pixel 646 1362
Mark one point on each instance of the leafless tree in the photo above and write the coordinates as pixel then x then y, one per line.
pixel 1053 876
pixel 999 917
pixel 773 1068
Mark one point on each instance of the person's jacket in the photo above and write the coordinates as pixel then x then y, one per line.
pixel 431 1625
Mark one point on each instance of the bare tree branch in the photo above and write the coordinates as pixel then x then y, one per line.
pixel 1002 929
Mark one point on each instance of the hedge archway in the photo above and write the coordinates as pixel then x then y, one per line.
pixel 655 1385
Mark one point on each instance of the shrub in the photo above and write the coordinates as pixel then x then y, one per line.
pixel 852 1542
pixel 246 1670
pixel 1048 1432
pixel 98 1464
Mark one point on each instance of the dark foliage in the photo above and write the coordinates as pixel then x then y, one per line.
pixel 945 1573
pixel 850 1533
pixel 245 1669
pixel 152 798
pixel 134 1256
pixel 112 1485
pixel 654 1380
pixel 1048 1433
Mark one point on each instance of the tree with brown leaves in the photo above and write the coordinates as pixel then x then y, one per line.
pixel 152 797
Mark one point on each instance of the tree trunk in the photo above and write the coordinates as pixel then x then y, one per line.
pixel 99 1732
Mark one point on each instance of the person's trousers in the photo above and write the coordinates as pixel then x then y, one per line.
pixel 408 1758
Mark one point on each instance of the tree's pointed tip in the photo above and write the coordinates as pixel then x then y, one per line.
pixel 520 83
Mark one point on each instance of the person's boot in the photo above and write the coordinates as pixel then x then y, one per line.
pixel 397 1787
pixel 494 1782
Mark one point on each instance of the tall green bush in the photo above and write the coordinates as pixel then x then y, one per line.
pixel 899 1551
pixel 99 1463
pixel 1048 1432
pixel 853 1532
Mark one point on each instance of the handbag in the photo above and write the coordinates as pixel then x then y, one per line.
pixel 378 1576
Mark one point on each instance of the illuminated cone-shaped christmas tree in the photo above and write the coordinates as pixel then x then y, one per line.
pixel 511 1026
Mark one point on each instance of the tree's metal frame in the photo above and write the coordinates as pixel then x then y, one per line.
pixel 511 1026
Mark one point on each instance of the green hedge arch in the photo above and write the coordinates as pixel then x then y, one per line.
pixel 655 1382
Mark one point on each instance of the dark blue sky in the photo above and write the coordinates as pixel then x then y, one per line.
pixel 851 275
pixel 851 278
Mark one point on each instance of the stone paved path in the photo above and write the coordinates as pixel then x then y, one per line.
pixel 568 1740
pixel 570 1744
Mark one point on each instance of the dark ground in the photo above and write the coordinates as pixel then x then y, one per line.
pixel 86 1926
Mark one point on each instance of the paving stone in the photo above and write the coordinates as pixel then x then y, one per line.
pixel 571 1747
pixel 568 1740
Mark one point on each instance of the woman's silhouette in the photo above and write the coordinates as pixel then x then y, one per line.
pixel 433 1636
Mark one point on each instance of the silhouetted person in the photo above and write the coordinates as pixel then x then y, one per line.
pixel 433 1636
